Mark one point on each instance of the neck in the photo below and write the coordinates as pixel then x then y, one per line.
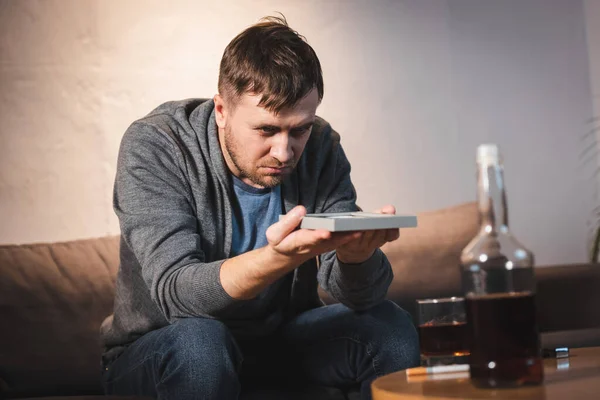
pixel 492 198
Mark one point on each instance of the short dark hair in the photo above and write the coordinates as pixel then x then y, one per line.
pixel 272 60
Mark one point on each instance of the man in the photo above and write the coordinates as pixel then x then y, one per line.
pixel 214 292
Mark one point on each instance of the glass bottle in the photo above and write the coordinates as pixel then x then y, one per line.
pixel 498 281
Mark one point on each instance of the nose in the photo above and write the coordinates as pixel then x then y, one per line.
pixel 282 148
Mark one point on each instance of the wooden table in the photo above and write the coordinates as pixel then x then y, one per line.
pixel 573 378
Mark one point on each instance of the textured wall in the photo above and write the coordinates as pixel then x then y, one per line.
pixel 413 86
pixel 592 14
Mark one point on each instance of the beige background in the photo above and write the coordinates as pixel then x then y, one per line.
pixel 592 21
pixel 413 86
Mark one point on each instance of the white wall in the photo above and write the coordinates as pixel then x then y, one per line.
pixel 592 22
pixel 413 86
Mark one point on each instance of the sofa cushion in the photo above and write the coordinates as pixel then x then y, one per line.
pixel 53 298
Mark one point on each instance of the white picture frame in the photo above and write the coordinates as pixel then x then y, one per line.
pixel 357 221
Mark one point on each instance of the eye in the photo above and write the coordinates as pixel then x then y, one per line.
pixel 267 130
pixel 301 131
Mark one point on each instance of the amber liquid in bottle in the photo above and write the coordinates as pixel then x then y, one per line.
pixel 499 285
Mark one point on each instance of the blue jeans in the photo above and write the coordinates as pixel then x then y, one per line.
pixel 329 346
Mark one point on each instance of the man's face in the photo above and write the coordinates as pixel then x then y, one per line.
pixel 261 147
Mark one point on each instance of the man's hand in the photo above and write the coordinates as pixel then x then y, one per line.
pixel 299 245
pixel 362 248
pixel 246 275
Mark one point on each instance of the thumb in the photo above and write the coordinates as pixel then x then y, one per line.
pixel 387 209
pixel 288 223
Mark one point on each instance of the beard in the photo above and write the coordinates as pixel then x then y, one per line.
pixel 249 171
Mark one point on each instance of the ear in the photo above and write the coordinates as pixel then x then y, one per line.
pixel 221 111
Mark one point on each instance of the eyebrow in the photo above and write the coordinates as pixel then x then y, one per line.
pixel 278 128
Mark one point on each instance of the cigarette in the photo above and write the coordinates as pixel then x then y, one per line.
pixel 438 369
pixel 438 377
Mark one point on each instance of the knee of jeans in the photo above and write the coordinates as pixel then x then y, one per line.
pixel 392 328
pixel 202 340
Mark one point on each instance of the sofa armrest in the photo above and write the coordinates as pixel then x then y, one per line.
pixel 568 297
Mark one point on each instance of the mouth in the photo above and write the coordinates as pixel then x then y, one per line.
pixel 277 170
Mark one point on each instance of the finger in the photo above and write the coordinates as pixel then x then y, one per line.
pixel 339 239
pixel 392 234
pixel 310 237
pixel 368 237
pixel 387 209
pixel 279 230
pixel 377 239
pixel 303 241
pixel 381 237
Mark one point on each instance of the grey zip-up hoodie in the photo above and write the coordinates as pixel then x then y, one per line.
pixel 172 196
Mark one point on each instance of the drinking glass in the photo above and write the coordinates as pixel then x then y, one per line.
pixel 443 334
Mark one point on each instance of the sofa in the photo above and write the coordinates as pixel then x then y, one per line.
pixel 53 297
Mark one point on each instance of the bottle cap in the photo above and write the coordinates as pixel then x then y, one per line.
pixel 488 154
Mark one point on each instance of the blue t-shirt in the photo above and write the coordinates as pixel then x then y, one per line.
pixel 254 210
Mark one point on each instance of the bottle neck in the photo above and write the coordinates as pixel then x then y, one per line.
pixel 492 198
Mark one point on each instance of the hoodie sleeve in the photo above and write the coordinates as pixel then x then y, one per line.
pixel 152 200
